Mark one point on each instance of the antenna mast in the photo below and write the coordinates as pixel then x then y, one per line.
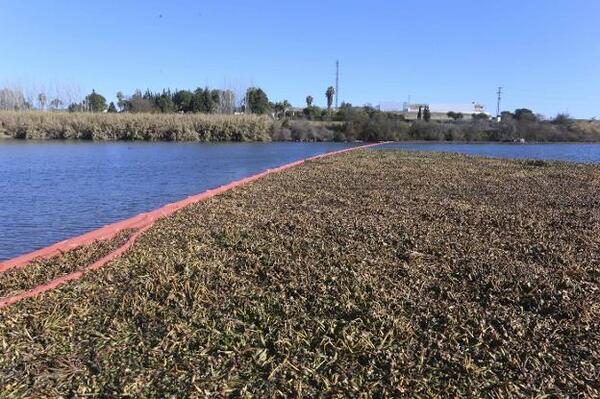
pixel 499 98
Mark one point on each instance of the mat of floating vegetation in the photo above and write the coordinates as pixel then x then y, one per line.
pixel 371 274
pixel 17 280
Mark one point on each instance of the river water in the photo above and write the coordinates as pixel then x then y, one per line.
pixel 575 152
pixel 51 191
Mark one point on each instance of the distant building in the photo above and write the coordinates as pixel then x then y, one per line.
pixel 414 107
pixel 438 111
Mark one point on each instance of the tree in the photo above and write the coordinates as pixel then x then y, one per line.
pixel 56 103
pixel 12 99
pixel 203 101
pixel 561 119
pixel 277 109
pixel 309 101
pixel 257 101
pixel 183 100
pixel 420 114
pixel 524 114
pixel 329 95
pixel 455 115
pixel 286 107
pixel 480 116
pixel 225 101
pixel 42 101
pixel 426 114
pixel 139 102
pixel 121 101
pixel 96 102
pixel 165 103
pixel 111 107
pixel 281 108
pixel 311 112
pixel 75 107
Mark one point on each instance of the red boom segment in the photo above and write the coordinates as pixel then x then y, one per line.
pixel 141 222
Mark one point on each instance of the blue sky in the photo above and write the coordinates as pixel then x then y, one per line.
pixel 545 53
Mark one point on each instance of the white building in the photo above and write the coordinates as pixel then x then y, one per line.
pixel 465 109
pixel 410 111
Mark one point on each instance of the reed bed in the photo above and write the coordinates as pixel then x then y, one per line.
pixel 17 280
pixel 368 274
pixel 128 126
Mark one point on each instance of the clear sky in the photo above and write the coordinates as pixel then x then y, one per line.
pixel 545 53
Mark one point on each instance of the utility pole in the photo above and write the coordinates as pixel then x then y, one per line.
pixel 337 82
pixel 498 106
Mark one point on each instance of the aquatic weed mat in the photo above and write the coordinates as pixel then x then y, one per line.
pixel 39 271
pixel 368 274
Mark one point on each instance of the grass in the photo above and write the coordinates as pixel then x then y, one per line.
pixel 150 127
pixel 369 274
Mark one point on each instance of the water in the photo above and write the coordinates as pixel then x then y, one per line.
pixel 51 191
pixel 576 152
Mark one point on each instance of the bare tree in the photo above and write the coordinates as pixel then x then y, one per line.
pixel 56 103
pixel 42 101
pixel 11 99
pixel 226 104
pixel 121 100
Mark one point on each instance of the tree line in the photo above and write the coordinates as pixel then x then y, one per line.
pixel 311 122
pixel 200 100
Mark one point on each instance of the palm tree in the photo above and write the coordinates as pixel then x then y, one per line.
pixel 309 101
pixel 329 94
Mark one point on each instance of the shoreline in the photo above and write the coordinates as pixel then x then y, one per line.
pixel 4 136
pixel 211 127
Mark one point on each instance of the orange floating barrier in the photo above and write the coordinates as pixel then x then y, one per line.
pixel 141 223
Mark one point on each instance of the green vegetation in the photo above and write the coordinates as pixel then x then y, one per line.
pixel 465 278
pixel 96 102
pixel 257 101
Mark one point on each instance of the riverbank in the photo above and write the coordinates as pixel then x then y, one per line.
pixel 127 126
pixel 378 272
pixel 359 125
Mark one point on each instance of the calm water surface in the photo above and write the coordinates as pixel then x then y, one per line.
pixel 576 152
pixel 51 191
